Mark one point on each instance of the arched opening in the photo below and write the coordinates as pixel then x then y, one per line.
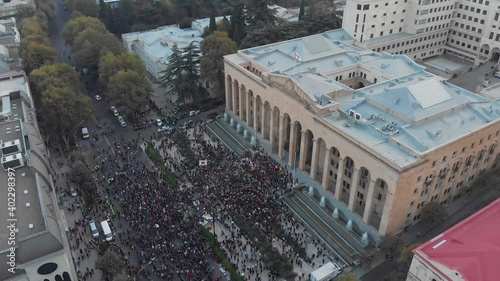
pixel 229 94
pixel 250 113
pixel 320 162
pixel 308 145
pixel 286 133
pixel 47 268
pixel 236 97
pixel 360 85
pixel 266 118
pixel 243 103
pixel 274 133
pixel 66 276
pixel 347 179
pixel 59 278
pixel 495 54
pixel 295 143
pixel 379 198
pixel 258 125
pixel 362 190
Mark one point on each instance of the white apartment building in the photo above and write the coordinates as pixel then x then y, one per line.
pixel 469 29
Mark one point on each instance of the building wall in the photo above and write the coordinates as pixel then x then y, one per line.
pixel 420 271
pixel 399 200
pixel 471 27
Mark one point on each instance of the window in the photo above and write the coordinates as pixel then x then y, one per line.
pixel 359 7
pixel 434 164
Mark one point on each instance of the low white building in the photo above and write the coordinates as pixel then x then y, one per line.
pixel 285 14
pixel 154 47
pixel 9 8
pixel 201 24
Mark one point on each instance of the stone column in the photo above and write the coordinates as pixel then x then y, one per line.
pixel 354 188
pixel 249 109
pixel 272 134
pixel 326 170
pixel 303 150
pixel 255 114
pixel 235 94
pixel 263 121
pixel 369 200
pixel 293 143
pixel 340 177
pixel 314 159
pixel 229 93
pixel 281 140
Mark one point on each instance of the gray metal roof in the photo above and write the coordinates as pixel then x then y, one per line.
pixel 406 114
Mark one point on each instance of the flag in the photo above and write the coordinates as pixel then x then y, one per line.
pixel 297 57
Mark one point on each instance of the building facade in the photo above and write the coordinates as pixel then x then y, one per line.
pixel 34 222
pixel 154 47
pixel 466 252
pixel 425 28
pixel 8 9
pixel 381 136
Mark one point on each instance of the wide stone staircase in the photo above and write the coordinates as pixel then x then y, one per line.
pixel 228 136
pixel 333 232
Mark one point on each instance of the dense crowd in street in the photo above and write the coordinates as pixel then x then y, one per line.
pixel 160 225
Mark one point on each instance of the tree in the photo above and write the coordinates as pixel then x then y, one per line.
pixel 391 245
pixel 110 264
pixel 172 77
pixel 62 110
pixel 275 33
pixel 214 48
pixel 79 24
pixel 259 14
pixel 406 256
pixel 36 55
pixel 213 24
pixel 434 213
pixel 321 17
pixel 302 10
pixel 85 7
pixel 130 91
pixel 90 44
pixel 347 277
pixel 80 173
pixel 24 11
pixel 58 75
pixel 110 64
pixel 191 69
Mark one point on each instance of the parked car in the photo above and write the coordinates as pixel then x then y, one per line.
pixel 163 129
pixel 98 97
pixel 172 131
pixel 212 115
pixel 93 229
pixel 123 124
pixel 140 126
pixel 114 111
pixel 73 191
pixel 189 123
pixel 183 126
pixel 159 123
pixel 194 112
pixel 121 119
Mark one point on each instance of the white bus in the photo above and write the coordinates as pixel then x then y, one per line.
pixel 106 230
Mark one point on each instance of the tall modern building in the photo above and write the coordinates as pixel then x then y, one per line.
pixel 466 252
pixel 33 242
pixel 379 135
pixel 468 29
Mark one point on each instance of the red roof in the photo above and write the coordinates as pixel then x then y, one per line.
pixel 471 247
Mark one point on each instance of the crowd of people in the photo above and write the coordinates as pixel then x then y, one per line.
pixel 159 225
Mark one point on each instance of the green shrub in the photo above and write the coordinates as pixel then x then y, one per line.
pixel 186 151
pixel 155 157
pixel 221 257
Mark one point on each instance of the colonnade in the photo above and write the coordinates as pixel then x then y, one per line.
pixel 350 182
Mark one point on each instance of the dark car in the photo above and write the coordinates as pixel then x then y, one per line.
pixel 212 115
pixel 139 126
pixel 182 116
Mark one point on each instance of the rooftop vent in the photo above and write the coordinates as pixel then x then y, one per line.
pixel 28 204
pixel 438 132
pixel 10 147
pixel 12 161
pixel 352 113
pixel 25 191
pixel 347 124
pixel 396 101
pixel 30 225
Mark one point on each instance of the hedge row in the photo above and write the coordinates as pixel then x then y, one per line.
pixel 278 231
pixel 155 157
pixel 186 151
pixel 221 257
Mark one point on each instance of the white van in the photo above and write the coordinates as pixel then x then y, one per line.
pixel 106 230
pixel 93 229
pixel 327 272
pixel 85 133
